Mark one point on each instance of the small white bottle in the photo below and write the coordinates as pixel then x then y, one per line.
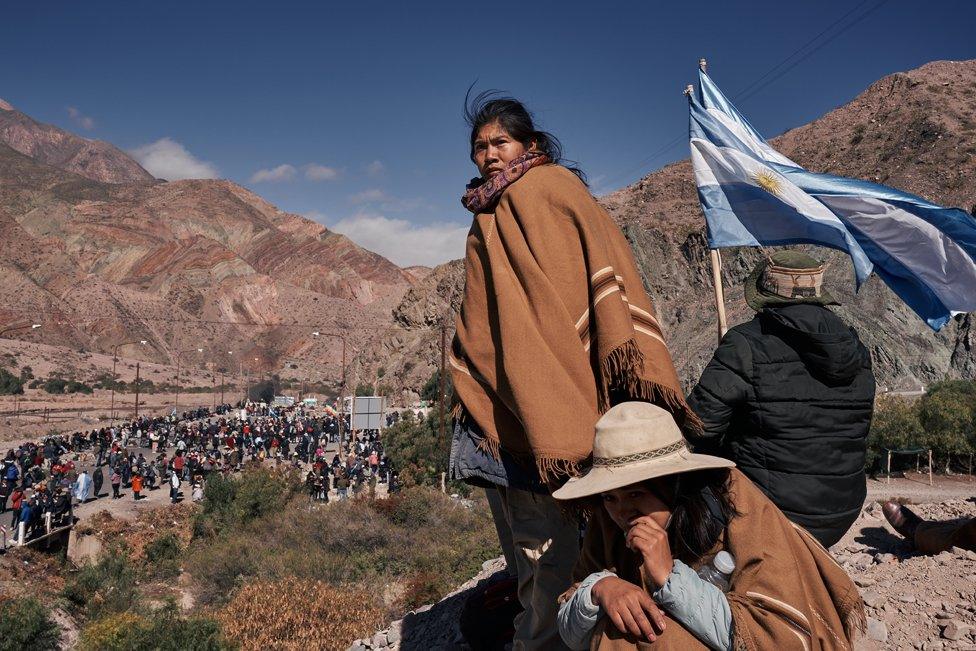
pixel 719 570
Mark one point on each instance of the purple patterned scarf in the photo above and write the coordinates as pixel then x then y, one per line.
pixel 482 194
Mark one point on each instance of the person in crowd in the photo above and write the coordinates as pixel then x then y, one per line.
pixel 25 519
pixel 98 478
pixel 82 487
pixel 116 481
pixel 930 536
pixel 16 503
pixel 554 328
pixel 683 551
pixel 789 397
pixel 6 488
pixel 136 486
pixel 174 486
pixel 342 484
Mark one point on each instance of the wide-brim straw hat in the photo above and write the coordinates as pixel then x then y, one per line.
pixel 634 442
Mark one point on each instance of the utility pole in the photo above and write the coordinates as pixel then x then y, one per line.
pixel 137 391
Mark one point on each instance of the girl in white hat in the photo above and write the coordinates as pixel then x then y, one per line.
pixel 662 520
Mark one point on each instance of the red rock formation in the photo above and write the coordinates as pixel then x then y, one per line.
pixel 93 159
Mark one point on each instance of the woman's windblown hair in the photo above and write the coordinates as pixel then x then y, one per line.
pixel 492 106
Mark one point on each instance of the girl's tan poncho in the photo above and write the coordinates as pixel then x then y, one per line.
pixel 787 592
pixel 554 325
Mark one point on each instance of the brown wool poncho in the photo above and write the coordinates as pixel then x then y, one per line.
pixel 554 325
pixel 787 592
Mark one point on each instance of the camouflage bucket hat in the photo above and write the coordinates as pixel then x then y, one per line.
pixel 787 278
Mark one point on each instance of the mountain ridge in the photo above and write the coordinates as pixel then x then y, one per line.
pixel 915 130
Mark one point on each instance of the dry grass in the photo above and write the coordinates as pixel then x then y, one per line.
pixel 176 519
pixel 299 614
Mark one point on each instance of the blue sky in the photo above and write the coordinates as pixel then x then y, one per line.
pixel 351 113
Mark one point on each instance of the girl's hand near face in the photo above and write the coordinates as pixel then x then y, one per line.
pixel 629 607
pixel 651 540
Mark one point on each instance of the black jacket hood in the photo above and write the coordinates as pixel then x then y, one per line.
pixel 828 346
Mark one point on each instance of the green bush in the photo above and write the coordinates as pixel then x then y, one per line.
pixel 104 587
pixel 163 556
pixel 239 499
pixel 26 626
pixel 10 384
pixel 944 419
pixel 162 630
pixel 417 531
pixel 418 451
pixel 432 386
pixel 60 385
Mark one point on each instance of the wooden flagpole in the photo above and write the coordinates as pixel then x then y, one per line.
pixel 716 257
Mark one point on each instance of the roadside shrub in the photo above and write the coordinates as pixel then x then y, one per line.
pixel 416 447
pixel 237 500
pixel 944 419
pixel 262 615
pixel 431 387
pixel 10 384
pixel 163 555
pixel 895 426
pixel 422 588
pixel 109 632
pixel 107 586
pixel 162 630
pixel 26 626
pixel 60 385
pixel 381 541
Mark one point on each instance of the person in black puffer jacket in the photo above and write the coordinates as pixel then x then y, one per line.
pixel 789 396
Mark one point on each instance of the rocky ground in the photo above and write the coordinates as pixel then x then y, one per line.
pixel 913 601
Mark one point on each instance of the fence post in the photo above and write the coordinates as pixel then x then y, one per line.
pixel 889 466
pixel 443 482
pixel 930 466
pixel 21 533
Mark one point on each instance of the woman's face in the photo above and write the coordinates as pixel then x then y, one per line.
pixel 494 149
pixel 624 505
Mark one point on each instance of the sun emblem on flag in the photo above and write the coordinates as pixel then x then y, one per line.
pixel 768 180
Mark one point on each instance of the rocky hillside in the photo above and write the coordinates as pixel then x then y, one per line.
pixel 93 159
pixel 915 131
pixel 123 258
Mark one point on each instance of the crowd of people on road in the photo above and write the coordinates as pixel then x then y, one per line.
pixel 40 481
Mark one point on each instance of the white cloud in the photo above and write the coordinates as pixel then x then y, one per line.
pixel 283 172
pixel 316 172
pixel 373 195
pixel 80 119
pixel 374 169
pixel 168 159
pixel 404 243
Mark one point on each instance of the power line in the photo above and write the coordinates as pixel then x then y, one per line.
pixel 752 88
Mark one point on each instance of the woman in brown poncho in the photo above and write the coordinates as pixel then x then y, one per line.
pixel 555 327
pixel 659 513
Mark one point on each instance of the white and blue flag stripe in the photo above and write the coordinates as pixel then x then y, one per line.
pixel 752 195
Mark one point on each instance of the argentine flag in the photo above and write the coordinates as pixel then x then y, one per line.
pixel 752 195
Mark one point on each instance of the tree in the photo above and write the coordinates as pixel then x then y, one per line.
pixel 947 414
pixel 432 386
pixel 417 450
pixel 263 391
pixel 10 384
pixel 364 389
pixel 895 426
